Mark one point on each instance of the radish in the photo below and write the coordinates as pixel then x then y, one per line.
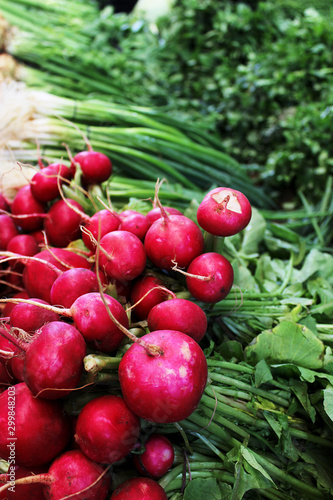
pixel 25 245
pixel 135 223
pixel 91 318
pixel 71 475
pixel 122 255
pixel 28 213
pixel 75 282
pixel 166 387
pixel 64 170
pixel 224 212
pixel 173 239
pixel 210 277
pixel 157 458
pixel 8 230
pixel 44 185
pixel 147 291
pixel 54 360
pixel 41 429
pixel 156 213
pixel 96 167
pixel 10 306
pixel 181 315
pixel 97 226
pixel 62 224
pixel 106 429
pixel 30 317
pixel 140 488
pixel 38 277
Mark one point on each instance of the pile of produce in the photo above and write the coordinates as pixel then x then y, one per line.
pixel 165 329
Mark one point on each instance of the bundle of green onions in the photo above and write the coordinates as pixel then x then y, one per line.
pixel 141 144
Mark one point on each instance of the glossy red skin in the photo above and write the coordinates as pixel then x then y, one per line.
pixel 25 203
pixel 106 429
pixel 39 278
pixel 64 170
pixel 73 472
pixel 23 244
pixel 140 288
pixel 157 458
pixel 155 214
pixel 168 387
pixel 220 272
pixel 181 315
pixel 99 225
pixel 140 488
pixel 54 360
pixel 92 320
pixel 8 230
pixel 63 223
pixel 44 185
pixel 126 258
pixel 175 239
pixel 70 285
pixel 10 306
pixel 136 224
pixel 218 219
pixel 96 167
pixel 41 428
pixel 30 317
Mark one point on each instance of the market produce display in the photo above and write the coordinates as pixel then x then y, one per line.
pixel 166 328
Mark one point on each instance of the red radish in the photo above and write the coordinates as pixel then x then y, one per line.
pixel 91 318
pixel 121 255
pixel 146 293
pixel 62 224
pixel 99 225
pixel 16 364
pixel 173 239
pixel 167 387
pixel 155 213
pixel 157 458
pixel 96 167
pixel 106 429
pixel 38 277
pixel 224 212
pixel 181 315
pixel 23 244
pixel 44 184
pixel 64 170
pixel 10 306
pixel 54 360
pixel 30 317
pixel 140 488
pixel 210 277
pixel 8 231
pixel 28 213
pixel 75 282
pixel 135 223
pixel 22 492
pixel 42 430
pixel 71 475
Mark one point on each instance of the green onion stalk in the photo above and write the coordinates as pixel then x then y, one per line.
pixel 138 145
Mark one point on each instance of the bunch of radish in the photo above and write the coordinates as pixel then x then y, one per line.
pixel 119 283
